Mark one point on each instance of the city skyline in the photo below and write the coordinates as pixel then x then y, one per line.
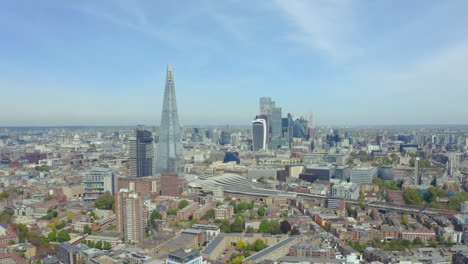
pixel 350 63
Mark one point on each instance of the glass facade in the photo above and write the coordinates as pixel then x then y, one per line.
pixel 170 158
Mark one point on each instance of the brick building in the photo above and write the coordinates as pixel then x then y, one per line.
pixel 170 185
pixel 200 212
pixel 140 185
pixel 186 212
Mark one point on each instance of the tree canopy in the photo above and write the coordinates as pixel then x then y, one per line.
pixel 63 236
pixel 105 201
pixel 183 204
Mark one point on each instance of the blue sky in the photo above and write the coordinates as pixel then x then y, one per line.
pixel 349 62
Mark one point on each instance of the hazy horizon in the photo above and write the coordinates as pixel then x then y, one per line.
pixel 351 63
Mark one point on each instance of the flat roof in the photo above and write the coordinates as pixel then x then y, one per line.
pixel 212 245
pixel 270 249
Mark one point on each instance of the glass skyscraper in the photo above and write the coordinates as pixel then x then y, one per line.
pixel 141 154
pixel 170 158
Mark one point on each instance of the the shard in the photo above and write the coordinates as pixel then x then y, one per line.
pixel 170 158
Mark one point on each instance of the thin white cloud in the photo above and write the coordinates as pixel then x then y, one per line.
pixel 123 14
pixel 326 26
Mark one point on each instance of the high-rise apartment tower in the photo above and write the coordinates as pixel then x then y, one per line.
pixel 129 212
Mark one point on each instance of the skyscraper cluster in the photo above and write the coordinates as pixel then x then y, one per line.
pixel 271 131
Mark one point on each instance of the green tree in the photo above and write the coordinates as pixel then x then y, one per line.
pixel 250 230
pixel 33 238
pixel 240 245
pixel 237 226
pixel 362 206
pixel 183 204
pixel 234 206
pixel 225 226
pixel 404 219
pixel 155 215
pixel 172 211
pixel 87 229
pixel 412 197
pixel 6 216
pixel 43 241
pixel 264 226
pixel 52 236
pixel 432 193
pixel 99 245
pixel 259 245
pixel 22 232
pixel 60 224
pixel 63 236
pixel 418 241
pixel 362 196
pixel 4 195
pixel 377 181
pixel 261 210
pixel 107 245
pixel 105 201
pixel 237 260
pixel 457 199
pixel 209 214
pixel 350 211
pixel 50 214
pixel 274 227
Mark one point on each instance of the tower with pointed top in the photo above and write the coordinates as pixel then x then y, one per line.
pixel 170 159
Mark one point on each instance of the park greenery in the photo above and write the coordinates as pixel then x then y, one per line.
pixel 361 155
pixel 246 250
pixel 424 163
pixel 102 245
pixel 414 197
pixel 105 201
pixel 155 215
pixel 87 229
pixel 209 214
pixel 183 204
pixel 261 210
pixel 172 211
pixel 50 214
pixel 6 216
pixel 242 207
pixel 4 195
pixel 43 168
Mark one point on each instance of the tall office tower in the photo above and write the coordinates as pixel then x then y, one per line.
pixel 129 211
pixel 141 154
pixel 266 106
pixel 417 176
pixel 99 181
pixel 300 128
pixel 170 158
pixel 170 184
pixel 276 122
pixel 288 128
pixel 225 138
pixel 259 134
